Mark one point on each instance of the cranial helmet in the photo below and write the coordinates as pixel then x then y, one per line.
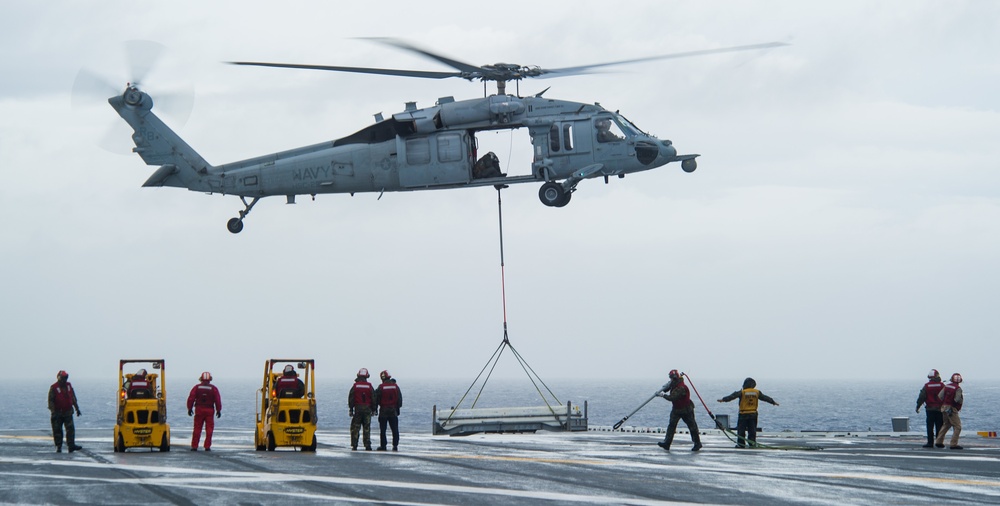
pixel 384 375
pixel 956 378
pixel 674 374
pixel 289 370
pixel 749 383
pixel 206 376
pixel 141 373
pixel 62 375
pixel 363 372
pixel 933 374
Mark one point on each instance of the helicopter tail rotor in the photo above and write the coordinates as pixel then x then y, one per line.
pixel 91 90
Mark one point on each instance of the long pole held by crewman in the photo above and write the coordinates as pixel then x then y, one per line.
pixel 636 410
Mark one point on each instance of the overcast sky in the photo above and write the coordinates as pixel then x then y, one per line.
pixel 844 221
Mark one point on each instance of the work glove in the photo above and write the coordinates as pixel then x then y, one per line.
pixel 661 393
pixel 375 412
pixel 218 414
pixel 918 409
pixel 78 413
pixel 397 411
pixel 190 412
pixel 350 412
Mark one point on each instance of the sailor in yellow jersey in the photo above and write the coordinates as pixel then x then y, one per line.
pixel 749 397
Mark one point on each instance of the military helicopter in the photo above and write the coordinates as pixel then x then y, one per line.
pixel 423 149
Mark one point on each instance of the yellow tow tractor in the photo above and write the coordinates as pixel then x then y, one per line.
pixel 142 407
pixel 286 406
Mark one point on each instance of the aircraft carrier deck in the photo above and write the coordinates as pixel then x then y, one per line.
pixel 546 468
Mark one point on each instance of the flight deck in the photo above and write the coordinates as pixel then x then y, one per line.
pixel 595 467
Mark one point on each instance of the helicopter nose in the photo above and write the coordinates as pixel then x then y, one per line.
pixel 667 149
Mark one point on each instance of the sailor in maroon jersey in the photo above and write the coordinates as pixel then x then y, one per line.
pixel 929 395
pixel 204 401
pixel 62 403
pixel 389 399
pixel 683 409
pixel 138 386
pixel 951 403
pixel 289 385
pixel 361 406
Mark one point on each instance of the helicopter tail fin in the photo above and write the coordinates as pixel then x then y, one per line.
pixel 157 144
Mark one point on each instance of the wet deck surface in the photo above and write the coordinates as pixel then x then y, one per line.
pixel 551 468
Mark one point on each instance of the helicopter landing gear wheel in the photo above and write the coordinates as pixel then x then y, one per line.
pixel 689 165
pixel 552 194
pixel 235 225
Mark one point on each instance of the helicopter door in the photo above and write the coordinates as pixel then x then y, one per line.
pixel 569 145
pixel 437 159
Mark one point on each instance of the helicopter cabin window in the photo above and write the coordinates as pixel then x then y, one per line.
pixel 449 147
pixel 561 139
pixel 607 130
pixel 418 151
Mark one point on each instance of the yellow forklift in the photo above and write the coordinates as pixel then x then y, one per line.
pixel 142 407
pixel 286 406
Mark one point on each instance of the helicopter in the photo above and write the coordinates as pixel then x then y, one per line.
pixel 423 148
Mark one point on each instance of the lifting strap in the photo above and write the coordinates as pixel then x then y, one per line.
pixel 495 358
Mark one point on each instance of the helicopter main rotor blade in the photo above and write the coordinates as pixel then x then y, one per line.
pixel 455 64
pixel 583 69
pixel 359 70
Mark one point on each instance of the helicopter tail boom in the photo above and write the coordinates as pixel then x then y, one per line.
pixel 157 144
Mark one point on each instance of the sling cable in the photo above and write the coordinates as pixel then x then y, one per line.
pixel 491 364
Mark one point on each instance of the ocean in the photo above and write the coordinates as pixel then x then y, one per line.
pixel 856 406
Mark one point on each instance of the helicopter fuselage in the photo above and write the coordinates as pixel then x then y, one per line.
pixel 417 149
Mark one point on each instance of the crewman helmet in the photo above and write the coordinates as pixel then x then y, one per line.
pixel 206 376
pixel 289 370
pixel 384 375
pixel 933 374
pixel 674 374
pixel 956 378
pixel 363 372
pixel 62 375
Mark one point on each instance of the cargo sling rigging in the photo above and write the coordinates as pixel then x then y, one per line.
pixel 491 364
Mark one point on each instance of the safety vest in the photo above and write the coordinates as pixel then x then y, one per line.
pixel 63 399
pixel 390 395
pixel 931 390
pixel 138 387
pixel 748 400
pixel 288 384
pixel 204 396
pixel 685 400
pixel 364 393
pixel 948 397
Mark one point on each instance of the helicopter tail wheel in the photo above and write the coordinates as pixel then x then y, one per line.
pixel 689 165
pixel 552 194
pixel 235 225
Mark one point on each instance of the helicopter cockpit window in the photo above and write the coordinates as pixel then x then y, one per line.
pixel 418 151
pixel 607 130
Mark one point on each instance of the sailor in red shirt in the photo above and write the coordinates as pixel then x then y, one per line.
pixel 203 401
pixel 389 399
pixel 361 406
pixel 929 395
pixel 62 403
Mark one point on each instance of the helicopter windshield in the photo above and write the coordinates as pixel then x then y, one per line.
pixel 629 128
